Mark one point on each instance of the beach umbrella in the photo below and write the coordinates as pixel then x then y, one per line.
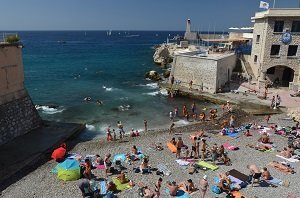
pixel 68 170
pixel 58 153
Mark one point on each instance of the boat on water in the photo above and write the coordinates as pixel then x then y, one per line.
pixel 108 33
pixel 132 35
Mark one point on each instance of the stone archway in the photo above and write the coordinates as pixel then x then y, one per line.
pixel 280 75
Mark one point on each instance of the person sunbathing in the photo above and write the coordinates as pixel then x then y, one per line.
pixel 173 141
pixel 285 153
pixel 145 167
pixel 258 147
pixel 134 150
pixel 122 178
pixel 226 160
pixel 224 185
pixel 247 133
pixel 187 186
pixel 173 187
pixel 291 150
pixel 87 173
pixel 255 174
pixel 282 167
pixel 264 138
pixel 111 187
pixel 265 174
pixel 224 176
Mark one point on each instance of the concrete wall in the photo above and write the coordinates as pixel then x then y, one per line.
pixel 265 28
pixel 17 112
pixel 225 68
pixel 207 74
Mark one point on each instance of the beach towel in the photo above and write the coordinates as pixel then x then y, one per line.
pixel 292 159
pixel 234 179
pixel 120 157
pixel 180 194
pixel 100 167
pixel 182 162
pixel 163 168
pixel 103 189
pixel 269 146
pixel 230 147
pixel 207 165
pixel 239 175
pixel 171 147
pixel 274 181
pixel 120 186
pixel 233 135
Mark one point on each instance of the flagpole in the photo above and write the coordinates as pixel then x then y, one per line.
pixel 274 3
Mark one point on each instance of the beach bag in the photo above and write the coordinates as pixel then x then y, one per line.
pixel 216 189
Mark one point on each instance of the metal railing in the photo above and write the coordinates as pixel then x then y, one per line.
pixel 6 35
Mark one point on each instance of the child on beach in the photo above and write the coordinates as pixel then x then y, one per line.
pixel 179 145
pixel 172 128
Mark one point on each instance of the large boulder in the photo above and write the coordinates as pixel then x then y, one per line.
pixel 162 55
pixel 167 74
pixel 153 75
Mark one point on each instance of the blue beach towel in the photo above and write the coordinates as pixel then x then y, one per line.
pixel 103 189
pixel 180 193
pixel 121 157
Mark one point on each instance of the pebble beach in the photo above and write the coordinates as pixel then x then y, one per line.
pixel 42 183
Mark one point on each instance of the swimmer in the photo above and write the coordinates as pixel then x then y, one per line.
pixel 87 99
pixel 99 102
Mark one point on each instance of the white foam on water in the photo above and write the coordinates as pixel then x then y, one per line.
pixel 90 127
pixel 181 123
pixel 48 110
pixel 124 107
pixel 162 92
pixel 155 93
pixel 108 88
pixel 150 85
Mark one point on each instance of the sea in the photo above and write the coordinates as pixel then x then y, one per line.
pixel 64 67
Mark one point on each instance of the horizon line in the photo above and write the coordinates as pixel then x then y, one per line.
pixel 106 30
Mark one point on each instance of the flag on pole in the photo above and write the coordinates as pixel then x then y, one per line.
pixel 264 5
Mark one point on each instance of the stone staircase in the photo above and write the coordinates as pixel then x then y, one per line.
pixel 247 67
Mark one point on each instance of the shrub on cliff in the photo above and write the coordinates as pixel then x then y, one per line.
pixel 12 38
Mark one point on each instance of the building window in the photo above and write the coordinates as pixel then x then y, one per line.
pixel 275 50
pixel 278 26
pixel 257 38
pixel 255 58
pixel 296 26
pixel 292 51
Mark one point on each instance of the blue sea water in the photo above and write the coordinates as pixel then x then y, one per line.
pixel 63 67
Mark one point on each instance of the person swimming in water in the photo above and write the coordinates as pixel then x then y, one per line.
pixel 87 99
pixel 99 102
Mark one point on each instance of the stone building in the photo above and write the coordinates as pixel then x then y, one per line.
pixel 209 72
pixel 275 46
pixel 17 112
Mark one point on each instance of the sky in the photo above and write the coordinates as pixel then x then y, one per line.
pixel 169 15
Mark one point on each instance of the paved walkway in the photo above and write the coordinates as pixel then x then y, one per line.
pixel 25 151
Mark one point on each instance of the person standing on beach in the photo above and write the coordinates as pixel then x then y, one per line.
pixel 191 84
pixel 172 128
pixel 157 187
pixel 278 100
pixel 203 186
pixel 176 114
pixel 184 110
pixel 145 125
pixel 108 134
pixel 179 145
pixel 121 129
pixel 203 148
pixel 273 103
pixel 172 81
pixel 193 108
pixel 171 116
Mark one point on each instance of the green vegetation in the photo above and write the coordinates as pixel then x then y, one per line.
pixel 14 38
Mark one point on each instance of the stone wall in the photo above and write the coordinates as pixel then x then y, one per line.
pixel 265 28
pixel 207 73
pixel 18 117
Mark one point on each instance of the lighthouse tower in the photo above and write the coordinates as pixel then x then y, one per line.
pixel 188 35
pixel 188 26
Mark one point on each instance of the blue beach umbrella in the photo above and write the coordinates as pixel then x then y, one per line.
pixel 68 170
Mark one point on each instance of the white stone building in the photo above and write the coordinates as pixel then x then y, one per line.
pixel 208 73
pixel 275 46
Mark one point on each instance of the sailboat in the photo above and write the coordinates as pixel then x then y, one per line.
pixel 108 33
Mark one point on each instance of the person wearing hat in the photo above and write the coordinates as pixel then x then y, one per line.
pixel 188 186
pixel 203 186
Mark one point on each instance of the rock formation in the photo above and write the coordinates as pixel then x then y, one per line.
pixel 153 75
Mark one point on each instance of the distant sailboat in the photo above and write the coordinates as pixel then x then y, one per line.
pixel 108 33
